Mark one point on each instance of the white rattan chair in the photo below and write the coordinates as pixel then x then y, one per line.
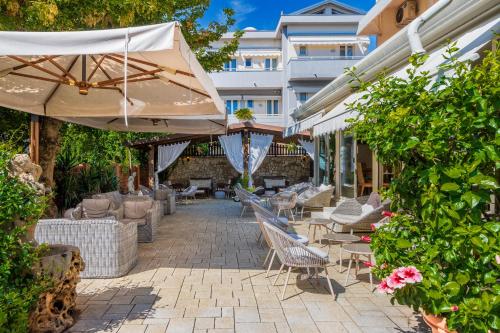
pixel 264 215
pixel 294 254
pixel 189 192
pixel 284 201
pixel 246 199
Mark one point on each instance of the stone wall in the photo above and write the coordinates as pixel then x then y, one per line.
pixel 294 168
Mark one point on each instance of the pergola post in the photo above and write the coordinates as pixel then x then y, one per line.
pixel 34 147
pixel 151 166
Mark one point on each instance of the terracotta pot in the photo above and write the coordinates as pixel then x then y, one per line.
pixel 437 324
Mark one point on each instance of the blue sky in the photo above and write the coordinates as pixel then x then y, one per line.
pixel 264 14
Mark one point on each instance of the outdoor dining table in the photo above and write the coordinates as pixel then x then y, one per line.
pixel 356 250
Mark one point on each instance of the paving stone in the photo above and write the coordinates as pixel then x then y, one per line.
pixel 246 314
pixel 204 273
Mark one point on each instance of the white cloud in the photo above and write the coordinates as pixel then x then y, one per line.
pixel 241 10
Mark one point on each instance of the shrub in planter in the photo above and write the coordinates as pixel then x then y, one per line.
pixel 444 135
pixel 20 206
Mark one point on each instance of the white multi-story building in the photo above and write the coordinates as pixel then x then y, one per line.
pixel 273 72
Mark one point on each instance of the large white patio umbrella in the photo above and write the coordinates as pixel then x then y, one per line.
pixel 85 77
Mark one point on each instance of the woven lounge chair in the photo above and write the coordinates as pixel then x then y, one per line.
pixel 294 254
pixel 314 198
pixel 262 215
pixel 107 246
pixel 246 198
pixel 284 201
pixel 355 215
pixel 189 192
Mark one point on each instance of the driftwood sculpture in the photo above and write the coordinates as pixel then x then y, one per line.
pixel 56 308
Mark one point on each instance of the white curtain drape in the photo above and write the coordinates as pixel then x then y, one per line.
pixel 309 147
pixel 259 146
pixel 233 148
pixel 167 155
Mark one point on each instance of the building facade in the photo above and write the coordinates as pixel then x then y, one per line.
pixel 273 72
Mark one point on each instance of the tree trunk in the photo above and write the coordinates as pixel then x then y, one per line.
pixel 246 153
pixel 49 147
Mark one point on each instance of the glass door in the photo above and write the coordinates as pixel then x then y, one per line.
pixel 347 165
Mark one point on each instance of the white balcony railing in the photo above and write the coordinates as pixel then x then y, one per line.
pixel 319 67
pixel 247 79
pixel 267 119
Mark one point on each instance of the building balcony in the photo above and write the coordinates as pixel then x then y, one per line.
pixel 275 120
pixel 322 68
pixel 256 79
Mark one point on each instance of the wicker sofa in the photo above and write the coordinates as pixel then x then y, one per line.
pixel 147 223
pixel 204 185
pixel 107 246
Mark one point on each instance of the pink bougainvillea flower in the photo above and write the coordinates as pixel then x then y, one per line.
pixel 395 281
pixel 388 214
pixel 373 226
pixel 366 239
pixel 367 264
pixel 454 308
pixel 384 288
pixel 409 274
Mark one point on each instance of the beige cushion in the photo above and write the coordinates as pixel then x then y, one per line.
pixel 95 208
pixel 115 197
pixel 136 209
pixel 138 221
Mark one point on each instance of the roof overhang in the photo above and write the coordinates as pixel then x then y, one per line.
pixel 369 24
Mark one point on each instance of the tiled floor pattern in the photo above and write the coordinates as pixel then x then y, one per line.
pixel 203 273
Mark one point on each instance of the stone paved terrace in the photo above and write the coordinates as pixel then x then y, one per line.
pixel 204 273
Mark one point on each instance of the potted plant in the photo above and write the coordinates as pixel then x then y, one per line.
pixel 440 253
pixel 244 114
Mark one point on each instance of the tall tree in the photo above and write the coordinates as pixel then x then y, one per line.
pixel 59 15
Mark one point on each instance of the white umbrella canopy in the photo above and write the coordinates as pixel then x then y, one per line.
pixel 80 77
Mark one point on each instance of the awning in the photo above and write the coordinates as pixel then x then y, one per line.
pixel 79 76
pixel 469 44
pixel 329 40
pixel 303 125
pixel 258 53
pixel 335 120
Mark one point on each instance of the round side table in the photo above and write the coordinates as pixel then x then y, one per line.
pixel 318 223
pixel 342 239
pixel 356 250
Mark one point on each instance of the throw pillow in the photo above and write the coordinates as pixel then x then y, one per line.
pixel 374 200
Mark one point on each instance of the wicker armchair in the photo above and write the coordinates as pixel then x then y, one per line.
pixel 284 201
pixel 314 198
pixel 146 214
pixel 294 254
pixel 107 246
pixel 262 215
pixel 246 198
pixel 349 215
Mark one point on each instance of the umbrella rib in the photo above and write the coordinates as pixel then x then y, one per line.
pixel 128 64
pixel 38 67
pixel 152 64
pixel 189 88
pixel 112 121
pixel 118 79
pixel 34 62
pixel 35 77
pixel 61 68
pixel 49 97
pixel 98 65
